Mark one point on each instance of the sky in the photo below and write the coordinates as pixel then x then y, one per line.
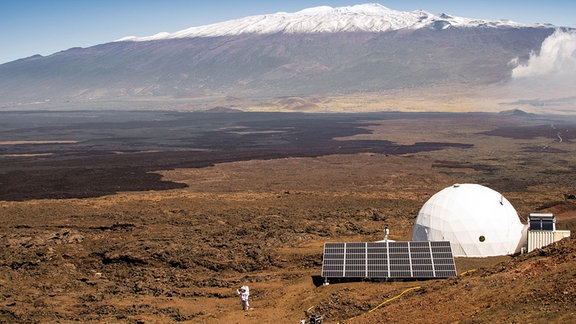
pixel 30 27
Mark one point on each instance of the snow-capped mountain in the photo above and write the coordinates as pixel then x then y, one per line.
pixel 370 17
pixel 320 50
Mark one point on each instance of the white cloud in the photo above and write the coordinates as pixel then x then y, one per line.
pixel 555 62
pixel 546 82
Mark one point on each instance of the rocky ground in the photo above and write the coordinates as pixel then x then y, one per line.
pixel 178 255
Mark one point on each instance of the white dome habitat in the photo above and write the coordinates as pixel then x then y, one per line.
pixel 478 221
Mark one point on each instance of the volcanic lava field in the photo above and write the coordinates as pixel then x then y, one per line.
pixel 159 216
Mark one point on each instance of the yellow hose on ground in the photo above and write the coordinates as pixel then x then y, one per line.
pixel 466 272
pixel 398 296
pixel 384 302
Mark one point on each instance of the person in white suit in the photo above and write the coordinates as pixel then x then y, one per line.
pixel 244 293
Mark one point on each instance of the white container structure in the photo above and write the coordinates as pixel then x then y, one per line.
pixel 542 231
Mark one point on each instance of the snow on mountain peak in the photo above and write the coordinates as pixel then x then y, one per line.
pixel 370 17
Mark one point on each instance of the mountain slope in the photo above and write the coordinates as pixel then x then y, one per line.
pixel 271 64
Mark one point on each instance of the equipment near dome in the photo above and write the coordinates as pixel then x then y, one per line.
pixel 542 231
pixel 388 260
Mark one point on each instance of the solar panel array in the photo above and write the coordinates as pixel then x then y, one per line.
pixel 388 260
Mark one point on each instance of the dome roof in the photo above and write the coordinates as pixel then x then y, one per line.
pixel 477 220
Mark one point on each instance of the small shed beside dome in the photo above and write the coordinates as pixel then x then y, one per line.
pixel 478 222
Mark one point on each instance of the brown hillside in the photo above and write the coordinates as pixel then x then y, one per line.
pixel 533 288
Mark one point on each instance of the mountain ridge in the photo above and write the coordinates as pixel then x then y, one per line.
pixel 369 17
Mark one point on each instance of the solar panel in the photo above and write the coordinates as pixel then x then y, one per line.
pixel 388 260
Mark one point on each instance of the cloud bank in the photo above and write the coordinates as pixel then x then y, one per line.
pixel 548 77
pixel 557 59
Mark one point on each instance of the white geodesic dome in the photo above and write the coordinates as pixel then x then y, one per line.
pixel 477 220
